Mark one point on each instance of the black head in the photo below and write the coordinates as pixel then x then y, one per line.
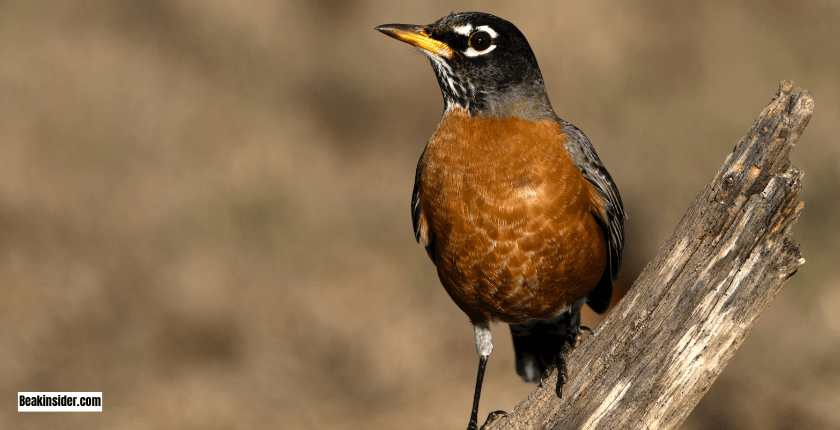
pixel 483 64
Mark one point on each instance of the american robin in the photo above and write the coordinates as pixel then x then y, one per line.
pixel 512 204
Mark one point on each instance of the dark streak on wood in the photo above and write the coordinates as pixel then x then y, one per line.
pixel 664 344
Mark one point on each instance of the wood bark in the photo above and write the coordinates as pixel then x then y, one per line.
pixel 660 349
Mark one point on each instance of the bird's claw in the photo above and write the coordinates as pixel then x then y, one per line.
pixel 579 335
pixel 493 417
pixel 560 362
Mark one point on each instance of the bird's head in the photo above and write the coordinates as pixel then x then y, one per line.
pixel 483 64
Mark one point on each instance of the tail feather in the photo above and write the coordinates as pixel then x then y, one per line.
pixel 537 342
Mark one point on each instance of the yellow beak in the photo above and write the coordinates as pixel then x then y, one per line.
pixel 415 35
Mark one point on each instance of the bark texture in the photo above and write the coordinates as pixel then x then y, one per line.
pixel 660 349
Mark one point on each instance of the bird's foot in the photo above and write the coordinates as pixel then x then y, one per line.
pixel 493 417
pixel 546 373
pixel 579 335
pixel 561 361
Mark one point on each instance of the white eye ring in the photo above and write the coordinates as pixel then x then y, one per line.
pixel 488 30
pixel 470 52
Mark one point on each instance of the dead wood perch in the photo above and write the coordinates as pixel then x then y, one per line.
pixel 659 350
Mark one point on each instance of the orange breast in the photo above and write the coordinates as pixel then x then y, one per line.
pixel 515 237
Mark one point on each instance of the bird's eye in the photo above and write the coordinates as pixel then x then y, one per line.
pixel 480 41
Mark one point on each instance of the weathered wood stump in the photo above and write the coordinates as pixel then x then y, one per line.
pixel 659 350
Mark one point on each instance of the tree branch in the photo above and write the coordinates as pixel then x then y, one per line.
pixel 662 346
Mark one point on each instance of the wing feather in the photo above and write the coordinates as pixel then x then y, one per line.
pixel 418 220
pixel 611 215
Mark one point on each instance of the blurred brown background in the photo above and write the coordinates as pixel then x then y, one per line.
pixel 204 205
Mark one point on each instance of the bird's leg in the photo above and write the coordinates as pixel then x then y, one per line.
pixel 484 346
pixel 482 363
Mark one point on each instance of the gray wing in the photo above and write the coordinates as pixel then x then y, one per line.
pixel 583 155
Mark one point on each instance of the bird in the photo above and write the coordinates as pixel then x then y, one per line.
pixel 521 219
